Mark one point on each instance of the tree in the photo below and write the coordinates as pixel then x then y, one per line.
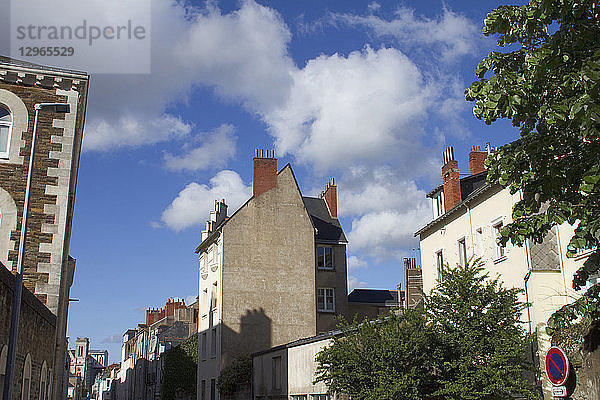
pixel 236 376
pixel 180 370
pixel 465 342
pixel 548 87
pixel 478 326
pixel 391 358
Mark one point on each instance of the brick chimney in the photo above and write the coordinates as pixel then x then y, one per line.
pixel 265 171
pixel 450 179
pixel 477 160
pixel 330 196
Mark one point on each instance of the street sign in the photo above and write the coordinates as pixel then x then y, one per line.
pixel 559 391
pixel 557 366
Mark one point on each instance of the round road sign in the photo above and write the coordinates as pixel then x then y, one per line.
pixel 557 366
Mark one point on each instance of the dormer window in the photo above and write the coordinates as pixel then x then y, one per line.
pixel 438 204
pixel 5 131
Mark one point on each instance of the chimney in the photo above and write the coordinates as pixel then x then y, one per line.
pixel 216 217
pixel 477 160
pixel 265 171
pixel 450 179
pixel 330 196
pixel 413 278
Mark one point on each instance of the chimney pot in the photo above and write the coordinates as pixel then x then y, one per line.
pixel 265 173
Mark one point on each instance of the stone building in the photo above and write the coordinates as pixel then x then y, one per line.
pixel 47 266
pixel 33 376
pixel 271 273
pixel 86 364
pixel 467 216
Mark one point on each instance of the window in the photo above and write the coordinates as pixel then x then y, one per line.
pixel 319 397
pixel 213 342
pixel 298 397
pixel 26 386
pixel 5 131
pixel 213 296
pixel 325 299
pixel 276 373
pixel 213 389
pixel 462 252
pixel 438 204
pixel 80 351
pixel 500 250
pixel 203 345
pixel 43 381
pixel 324 257
pixel 203 390
pixel 3 356
pixel 440 263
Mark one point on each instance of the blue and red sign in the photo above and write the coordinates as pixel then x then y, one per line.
pixel 557 366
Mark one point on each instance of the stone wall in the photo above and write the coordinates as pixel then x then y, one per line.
pixel 37 328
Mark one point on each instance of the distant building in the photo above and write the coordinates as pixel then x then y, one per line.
pixel 47 266
pixel 468 214
pixel 373 303
pixel 271 273
pixel 139 374
pixel 86 364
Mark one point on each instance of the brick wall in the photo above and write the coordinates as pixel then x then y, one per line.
pixel 37 328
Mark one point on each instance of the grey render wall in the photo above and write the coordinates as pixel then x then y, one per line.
pixel 268 272
pixel 337 279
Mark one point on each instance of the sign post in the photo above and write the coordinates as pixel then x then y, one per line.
pixel 557 370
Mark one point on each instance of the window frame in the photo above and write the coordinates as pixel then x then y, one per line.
pixel 331 252
pixel 439 259
pixel 5 154
pixel 438 204
pixel 497 224
pixel 213 342
pixel 462 251
pixel 276 366
pixel 325 307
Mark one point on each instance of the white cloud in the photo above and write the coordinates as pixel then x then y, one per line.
pixel 355 262
pixel 216 149
pixel 242 55
pixel 452 34
pixel 386 209
pixel 193 204
pixel 354 282
pixel 371 101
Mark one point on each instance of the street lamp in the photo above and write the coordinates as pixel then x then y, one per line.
pixel 60 108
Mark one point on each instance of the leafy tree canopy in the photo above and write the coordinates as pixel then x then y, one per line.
pixel 464 342
pixel 548 87
pixel 180 370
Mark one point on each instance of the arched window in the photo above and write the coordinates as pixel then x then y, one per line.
pixel 26 390
pixel 5 131
pixel 43 381
pixel 3 356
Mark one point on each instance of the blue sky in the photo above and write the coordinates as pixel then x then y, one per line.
pixel 366 92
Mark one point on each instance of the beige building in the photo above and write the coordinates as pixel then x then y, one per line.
pixel 467 216
pixel 273 272
pixel 288 371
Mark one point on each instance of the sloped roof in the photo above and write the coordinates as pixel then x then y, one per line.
pixel 29 65
pixel 327 229
pixel 374 296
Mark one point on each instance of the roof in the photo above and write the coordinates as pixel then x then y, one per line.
pixel 32 66
pixel 327 228
pixel 299 342
pixel 374 296
pixel 472 196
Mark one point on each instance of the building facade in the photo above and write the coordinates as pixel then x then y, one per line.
pixel 47 267
pixel 467 216
pixel 273 272
pixel 86 364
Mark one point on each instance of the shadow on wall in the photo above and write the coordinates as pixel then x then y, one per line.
pixel 253 334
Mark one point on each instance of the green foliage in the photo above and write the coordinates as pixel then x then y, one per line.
pixel 465 342
pixel 548 88
pixel 392 358
pixel 237 374
pixel 180 370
